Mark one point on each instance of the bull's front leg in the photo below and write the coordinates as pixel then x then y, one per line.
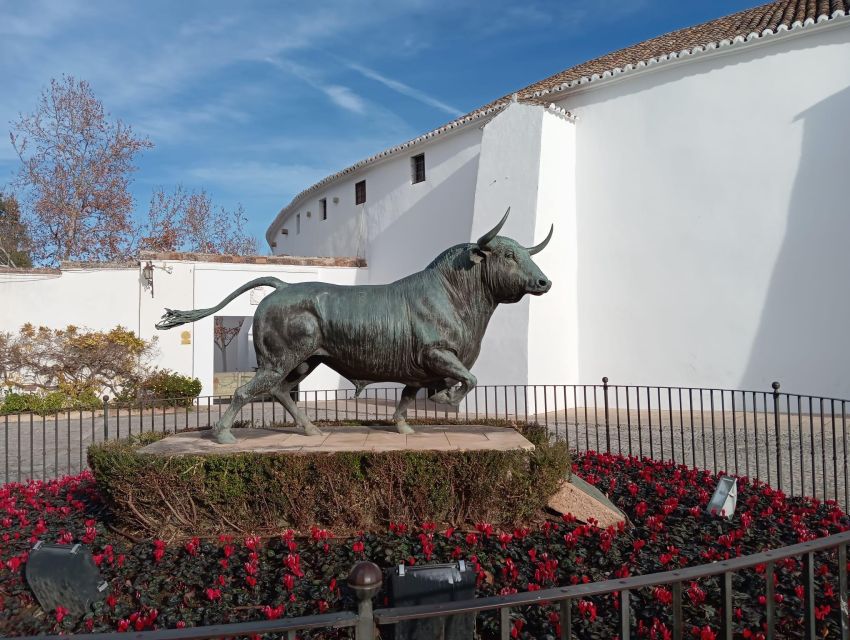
pixel 408 394
pixel 445 364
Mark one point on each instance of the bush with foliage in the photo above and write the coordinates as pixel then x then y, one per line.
pixel 162 388
pixel 79 363
pixel 47 403
pixel 192 580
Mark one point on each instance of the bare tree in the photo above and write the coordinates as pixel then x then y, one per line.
pixel 223 336
pixel 76 166
pixel 14 238
pixel 188 221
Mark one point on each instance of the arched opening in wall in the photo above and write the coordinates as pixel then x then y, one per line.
pixel 234 359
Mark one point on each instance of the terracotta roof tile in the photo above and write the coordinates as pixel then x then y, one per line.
pixel 755 20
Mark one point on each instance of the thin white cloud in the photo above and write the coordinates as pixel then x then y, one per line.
pixel 405 90
pixel 258 178
pixel 341 96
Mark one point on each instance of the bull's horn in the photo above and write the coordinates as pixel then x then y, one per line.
pixel 538 248
pixel 484 240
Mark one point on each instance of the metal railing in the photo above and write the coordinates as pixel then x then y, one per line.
pixel 366 621
pixel 796 443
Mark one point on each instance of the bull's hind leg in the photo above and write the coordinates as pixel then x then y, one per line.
pixel 408 394
pixel 301 418
pixel 281 394
pixel 445 364
pixel 264 381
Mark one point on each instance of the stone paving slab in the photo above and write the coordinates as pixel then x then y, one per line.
pixel 426 438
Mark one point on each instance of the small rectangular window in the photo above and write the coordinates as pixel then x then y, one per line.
pixel 417 168
pixel 360 192
pixel 297 223
pixel 323 208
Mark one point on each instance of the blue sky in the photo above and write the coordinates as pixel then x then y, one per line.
pixel 255 101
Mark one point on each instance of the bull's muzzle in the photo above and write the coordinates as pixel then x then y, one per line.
pixel 539 286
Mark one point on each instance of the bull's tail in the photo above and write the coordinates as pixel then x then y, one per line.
pixel 172 318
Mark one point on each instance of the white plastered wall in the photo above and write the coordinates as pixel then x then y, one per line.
pixel 402 226
pixel 713 219
pixel 527 163
pixel 100 299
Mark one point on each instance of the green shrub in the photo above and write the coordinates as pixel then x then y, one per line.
pixel 257 491
pixel 49 403
pixel 164 388
pixel 17 403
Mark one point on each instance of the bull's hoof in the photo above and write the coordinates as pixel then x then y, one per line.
pixel 313 430
pixel 403 428
pixel 224 437
pixel 441 397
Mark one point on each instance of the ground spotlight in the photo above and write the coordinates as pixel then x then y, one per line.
pixel 725 498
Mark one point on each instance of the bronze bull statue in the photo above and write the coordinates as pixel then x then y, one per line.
pixel 424 330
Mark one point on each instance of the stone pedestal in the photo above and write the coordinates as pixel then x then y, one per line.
pixel 344 438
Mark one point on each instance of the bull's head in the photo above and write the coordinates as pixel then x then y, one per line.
pixel 508 270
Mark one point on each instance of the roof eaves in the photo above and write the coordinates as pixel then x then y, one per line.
pixel 737 42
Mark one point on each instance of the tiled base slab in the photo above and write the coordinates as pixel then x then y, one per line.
pixel 345 438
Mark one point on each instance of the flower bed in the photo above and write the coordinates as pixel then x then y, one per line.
pixel 195 582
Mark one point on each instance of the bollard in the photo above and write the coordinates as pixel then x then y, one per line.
pixel 365 580
pixel 105 419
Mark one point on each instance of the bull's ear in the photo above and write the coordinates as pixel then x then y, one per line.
pixel 477 254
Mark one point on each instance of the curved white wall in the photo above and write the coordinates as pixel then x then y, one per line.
pixel 402 226
pixel 713 219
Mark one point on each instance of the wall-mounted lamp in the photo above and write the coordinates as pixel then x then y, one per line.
pixel 336 199
pixel 147 274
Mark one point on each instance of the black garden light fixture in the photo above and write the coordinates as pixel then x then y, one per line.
pixel 64 575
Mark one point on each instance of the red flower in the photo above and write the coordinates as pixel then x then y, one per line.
pixel 158 550
pixel 705 633
pixel 61 612
pixel 587 610
pixel 289 581
pixel 484 528
pixel 273 613
pixel 696 595
pixel 358 546
pixel 253 542
pixel 662 595
pixel 213 594
pixel 822 612
pixel 449 532
pixel 192 546
pixel 471 539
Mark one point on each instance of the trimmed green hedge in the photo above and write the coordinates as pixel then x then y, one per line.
pixel 257 492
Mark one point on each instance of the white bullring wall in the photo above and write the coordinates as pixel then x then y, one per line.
pixel 103 298
pixel 403 226
pixel 713 219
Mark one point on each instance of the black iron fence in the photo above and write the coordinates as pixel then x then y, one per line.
pixel 797 443
pixel 831 549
